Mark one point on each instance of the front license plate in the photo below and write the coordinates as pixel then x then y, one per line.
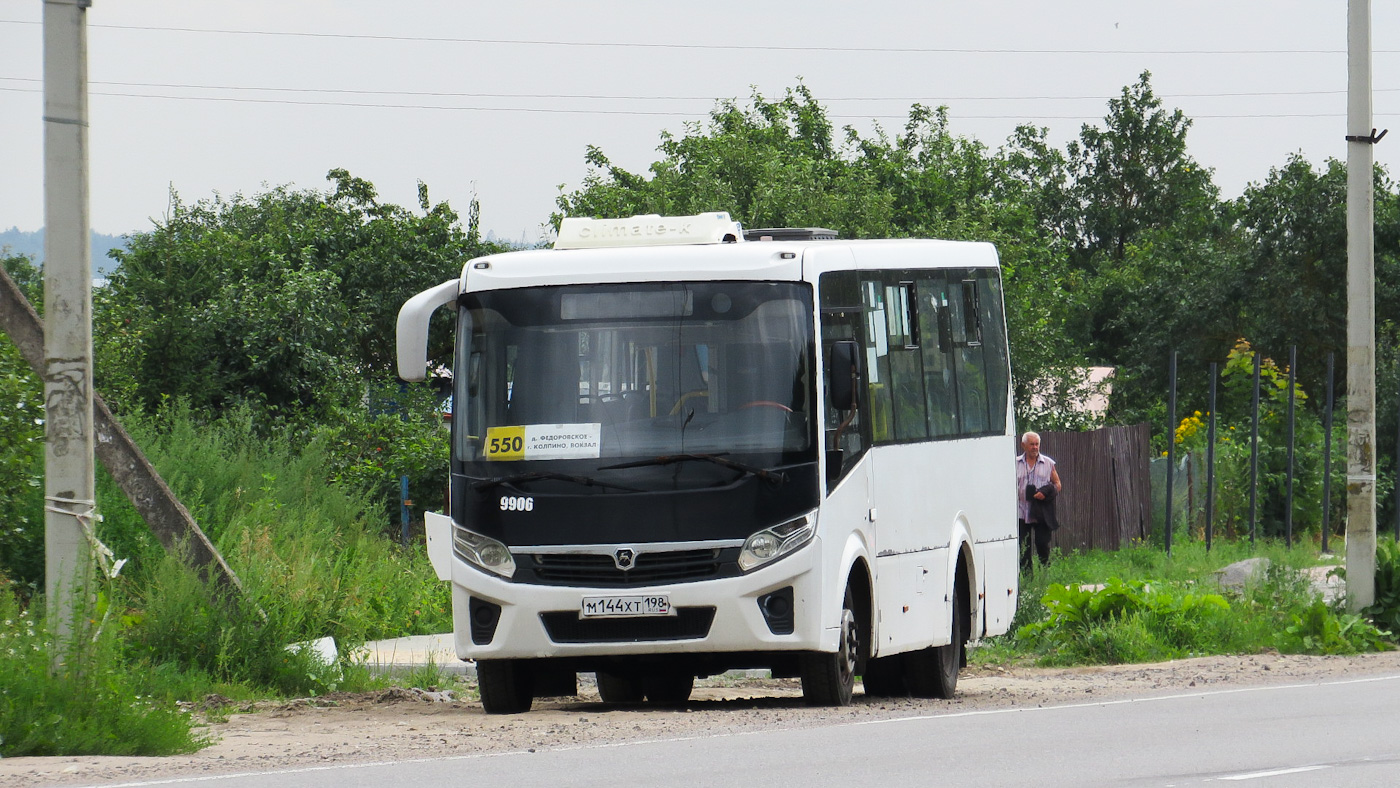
pixel 626 606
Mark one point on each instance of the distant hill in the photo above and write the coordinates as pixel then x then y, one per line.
pixel 32 243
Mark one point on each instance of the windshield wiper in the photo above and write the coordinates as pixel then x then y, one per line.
pixel 717 459
pixel 484 484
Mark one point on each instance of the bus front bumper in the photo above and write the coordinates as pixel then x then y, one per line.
pixel 708 616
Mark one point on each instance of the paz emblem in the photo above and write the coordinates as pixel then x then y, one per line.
pixel 625 559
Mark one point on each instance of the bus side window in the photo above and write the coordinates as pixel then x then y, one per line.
pixel 906 381
pixel 877 368
pixel 940 379
pixel 994 335
pixel 969 355
pixel 841 318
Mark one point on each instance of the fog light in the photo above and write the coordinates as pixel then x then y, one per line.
pixel 777 609
pixel 484 618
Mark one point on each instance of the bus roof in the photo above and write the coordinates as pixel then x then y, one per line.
pixel 747 261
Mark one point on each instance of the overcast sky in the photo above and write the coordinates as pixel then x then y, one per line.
pixel 499 100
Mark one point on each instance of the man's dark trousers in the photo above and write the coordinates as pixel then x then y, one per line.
pixel 1041 534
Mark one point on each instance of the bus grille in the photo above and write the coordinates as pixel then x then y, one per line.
pixel 658 568
pixel 689 623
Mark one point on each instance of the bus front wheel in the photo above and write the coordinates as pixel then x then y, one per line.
pixel 506 686
pixel 830 679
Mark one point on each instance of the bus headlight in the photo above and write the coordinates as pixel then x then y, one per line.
pixel 483 551
pixel 773 543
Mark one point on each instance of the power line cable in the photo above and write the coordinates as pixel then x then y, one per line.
pixel 562 111
pixel 721 47
pixel 604 97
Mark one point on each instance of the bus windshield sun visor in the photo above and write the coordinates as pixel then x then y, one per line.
pixel 484 484
pixel 670 459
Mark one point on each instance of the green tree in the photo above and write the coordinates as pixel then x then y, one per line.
pixel 1295 261
pixel 285 303
pixel 775 164
pixel 21 449
pixel 1045 293
pixel 286 300
pixel 780 163
pixel 1296 264
pixel 1134 175
pixel 1151 245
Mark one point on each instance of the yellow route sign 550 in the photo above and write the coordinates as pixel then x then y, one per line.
pixel 505 443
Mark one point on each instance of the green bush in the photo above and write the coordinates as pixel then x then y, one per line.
pixel 92 705
pixel 1233 452
pixel 21 452
pixel 226 641
pixel 1166 607
pixel 1126 622
pixel 309 552
pixel 1385 611
pixel 1319 629
pixel 402 434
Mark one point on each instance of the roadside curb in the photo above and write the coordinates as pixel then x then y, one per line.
pixel 397 656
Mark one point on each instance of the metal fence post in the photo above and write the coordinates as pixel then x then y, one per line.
pixel 404 503
pixel 1210 462
pixel 1254 458
pixel 1292 395
pixel 1171 448
pixel 1327 459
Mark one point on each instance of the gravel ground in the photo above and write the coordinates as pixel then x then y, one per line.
pixel 404 724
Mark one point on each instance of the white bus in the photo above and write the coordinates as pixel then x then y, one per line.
pixel 678 450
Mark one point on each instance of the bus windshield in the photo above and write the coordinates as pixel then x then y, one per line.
pixel 636 372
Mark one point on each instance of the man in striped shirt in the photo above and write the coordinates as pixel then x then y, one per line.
pixel 1034 471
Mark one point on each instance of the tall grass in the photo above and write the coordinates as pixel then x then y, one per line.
pixel 92 704
pixel 309 550
pixel 1156 607
pixel 309 553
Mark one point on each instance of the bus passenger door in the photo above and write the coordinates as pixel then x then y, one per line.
pixel 846 510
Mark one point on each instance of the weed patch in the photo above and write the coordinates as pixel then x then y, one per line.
pixel 93 704
pixel 310 553
pixel 1126 622
pixel 1154 607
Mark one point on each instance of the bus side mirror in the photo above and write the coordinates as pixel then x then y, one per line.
pixel 844 371
pixel 412 339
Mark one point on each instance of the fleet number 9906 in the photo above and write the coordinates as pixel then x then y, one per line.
pixel 517 503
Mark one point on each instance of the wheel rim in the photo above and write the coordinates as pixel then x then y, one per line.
pixel 850 645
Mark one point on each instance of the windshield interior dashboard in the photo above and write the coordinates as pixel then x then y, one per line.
pixel 588 376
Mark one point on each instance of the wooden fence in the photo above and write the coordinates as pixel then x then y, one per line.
pixel 1107 491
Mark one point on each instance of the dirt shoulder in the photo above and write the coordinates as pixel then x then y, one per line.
pixel 405 724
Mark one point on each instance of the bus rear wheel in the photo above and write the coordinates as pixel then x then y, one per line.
pixel 506 686
pixel 830 679
pixel 933 672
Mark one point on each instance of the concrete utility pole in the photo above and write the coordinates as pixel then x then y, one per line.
pixel 68 454
pixel 1361 323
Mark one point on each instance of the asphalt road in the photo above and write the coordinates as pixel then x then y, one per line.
pixel 1340 733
